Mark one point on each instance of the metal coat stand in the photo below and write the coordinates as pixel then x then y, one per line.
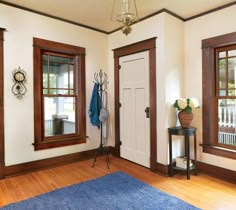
pixel 101 79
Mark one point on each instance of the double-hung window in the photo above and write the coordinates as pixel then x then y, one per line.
pixel 59 94
pixel 219 95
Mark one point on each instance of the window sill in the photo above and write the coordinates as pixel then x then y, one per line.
pixel 219 151
pixel 58 143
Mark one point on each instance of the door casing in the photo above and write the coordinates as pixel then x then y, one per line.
pixel 2 150
pixel 150 46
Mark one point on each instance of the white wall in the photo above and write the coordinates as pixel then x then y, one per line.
pixel 214 24
pixel 173 85
pixel 21 27
pixel 178 73
pixel 169 68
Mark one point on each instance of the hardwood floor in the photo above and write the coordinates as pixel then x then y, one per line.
pixel 202 191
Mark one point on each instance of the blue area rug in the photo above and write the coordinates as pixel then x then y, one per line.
pixel 113 191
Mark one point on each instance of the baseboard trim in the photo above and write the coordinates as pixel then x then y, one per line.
pixel 2 167
pixel 211 170
pixel 47 163
pixel 217 172
pixel 14 170
pixel 162 169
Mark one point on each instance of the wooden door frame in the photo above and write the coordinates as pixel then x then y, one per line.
pixel 2 149
pixel 146 45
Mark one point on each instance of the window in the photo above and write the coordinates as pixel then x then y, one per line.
pixel 59 94
pixel 219 95
pixel 226 96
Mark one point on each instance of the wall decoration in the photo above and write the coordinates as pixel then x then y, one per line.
pixel 19 79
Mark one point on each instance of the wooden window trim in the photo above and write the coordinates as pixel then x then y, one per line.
pixel 40 45
pixel 208 93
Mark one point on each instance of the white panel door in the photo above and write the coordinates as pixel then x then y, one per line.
pixel 134 99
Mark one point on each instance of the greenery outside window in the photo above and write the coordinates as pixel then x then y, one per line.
pixel 219 95
pixel 59 94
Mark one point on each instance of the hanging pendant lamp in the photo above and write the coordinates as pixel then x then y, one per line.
pixel 125 12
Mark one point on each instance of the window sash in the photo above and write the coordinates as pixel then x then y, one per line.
pixel 226 124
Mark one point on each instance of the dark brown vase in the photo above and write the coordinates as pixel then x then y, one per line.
pixel 185 118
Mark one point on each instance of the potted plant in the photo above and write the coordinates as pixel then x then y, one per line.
pixel 185 107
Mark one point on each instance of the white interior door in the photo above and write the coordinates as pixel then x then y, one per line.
pixel 134 99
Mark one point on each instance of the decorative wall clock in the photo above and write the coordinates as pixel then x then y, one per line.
pixel 19 79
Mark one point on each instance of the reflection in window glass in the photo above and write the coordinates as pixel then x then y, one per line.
pixel 222 73
pixel 58 75
pixel 222 92
pixel 71 60
pixel 58 59
pixel 231 76
pixel 232 53
pixel 71 76
pixel 59 116
pixel 222 54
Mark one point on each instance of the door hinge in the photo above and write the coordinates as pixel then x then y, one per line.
pixel 120 105
pixel 119 67
pixel 120 142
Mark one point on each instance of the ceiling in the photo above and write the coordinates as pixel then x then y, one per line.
pixel 97 13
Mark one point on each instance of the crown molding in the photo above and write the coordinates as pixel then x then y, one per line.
pixel 110 32
pixel 52 16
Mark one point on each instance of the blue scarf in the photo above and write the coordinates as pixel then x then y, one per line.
pixel 95 105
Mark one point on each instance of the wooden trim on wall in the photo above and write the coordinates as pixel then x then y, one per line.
pixel 210 11
pixel 112 31
pixel 48 163
pixel 162 169
pixel 52 16
pixel 57 46
pixel 219 41
pixel 218 172
pixel 146 45
pixel 2 150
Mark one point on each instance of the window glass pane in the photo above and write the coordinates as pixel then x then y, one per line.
pixel 59 116
pixel 231 92
pixel 71 76
pixel 45 57
pixel 58 59
pixel 45 91
pixel 222 92
pixel 222 54
pixel 231 72
pixel 227 121
pixel 53 76
pixel 45 75
pixel 58 75
pixel 232 53
pixel 59 91
pixel 71 60
pixel 222 73
pixel 52 91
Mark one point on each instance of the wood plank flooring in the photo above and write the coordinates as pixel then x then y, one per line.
pixel 202 191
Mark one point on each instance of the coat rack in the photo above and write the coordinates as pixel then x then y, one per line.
pixel 101 79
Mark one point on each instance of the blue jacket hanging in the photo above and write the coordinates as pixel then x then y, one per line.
pixel 95 105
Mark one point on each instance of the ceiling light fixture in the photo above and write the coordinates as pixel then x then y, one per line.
pixel 125 12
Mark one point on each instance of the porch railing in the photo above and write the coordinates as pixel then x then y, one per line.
pixel 227 125
pixel 227 138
